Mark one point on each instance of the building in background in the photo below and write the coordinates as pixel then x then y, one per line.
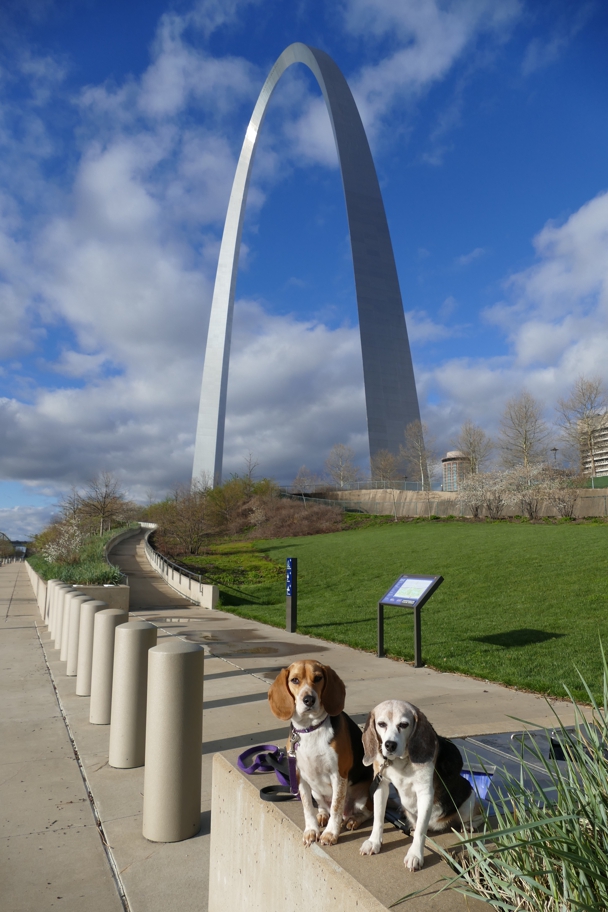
pixel 456 466
pixel 600 454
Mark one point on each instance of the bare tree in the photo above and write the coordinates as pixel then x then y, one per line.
pixel 385 466
pixel 103 500
pixel 251 464
pixel 188 520
pixel 581 415
pixel 305 481
pixel 523 432
pixel 340 465
pixel 419 453
pixel 71 505
pixel 474 443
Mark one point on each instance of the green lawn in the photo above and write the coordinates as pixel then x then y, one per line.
pixel 521 604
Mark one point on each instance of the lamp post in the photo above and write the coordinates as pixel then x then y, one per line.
pixel 554 451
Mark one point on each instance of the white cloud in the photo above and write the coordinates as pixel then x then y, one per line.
pixel 542 52
pixel 125 264
pixel 23 523
pixel 427 38
pixel 555 319
pixel 421 328
pixel 468 258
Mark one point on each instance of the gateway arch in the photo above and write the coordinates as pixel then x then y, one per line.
pixel 390 389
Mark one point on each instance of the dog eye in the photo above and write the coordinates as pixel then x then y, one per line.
pixel 317 678
pixel 381 724
pixel 403 725
pixel 295 681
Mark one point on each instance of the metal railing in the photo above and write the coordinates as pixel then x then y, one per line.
pixel 399 484
pixel 166 566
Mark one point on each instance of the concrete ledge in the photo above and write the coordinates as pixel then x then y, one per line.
pixel 258 861
pixel 113 596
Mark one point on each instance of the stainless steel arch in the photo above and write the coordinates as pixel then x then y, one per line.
pixel 390 387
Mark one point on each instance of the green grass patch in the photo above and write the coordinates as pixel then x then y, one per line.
pixel 91 569
pixel 243 572
pixel 522 604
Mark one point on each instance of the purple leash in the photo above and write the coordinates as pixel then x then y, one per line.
pixel 266 758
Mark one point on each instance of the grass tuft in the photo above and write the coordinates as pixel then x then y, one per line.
pixel 547 847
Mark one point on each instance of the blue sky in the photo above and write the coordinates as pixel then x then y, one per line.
pixel 120 127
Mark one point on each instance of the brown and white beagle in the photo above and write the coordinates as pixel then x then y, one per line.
pixel 425 769
pixel 327 746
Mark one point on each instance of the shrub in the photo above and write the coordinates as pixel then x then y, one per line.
pixel 86 567
pixel 276 518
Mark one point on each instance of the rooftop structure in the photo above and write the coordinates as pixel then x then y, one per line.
pixel 456 466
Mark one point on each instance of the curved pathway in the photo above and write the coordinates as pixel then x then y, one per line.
pixel 148 588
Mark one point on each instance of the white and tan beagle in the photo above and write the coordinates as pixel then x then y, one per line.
pixel 425 769
pixel 328 749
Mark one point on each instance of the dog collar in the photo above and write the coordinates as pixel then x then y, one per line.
pixel 294 735
pixel 312 728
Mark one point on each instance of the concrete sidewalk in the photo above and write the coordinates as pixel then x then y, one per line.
pixel 54 846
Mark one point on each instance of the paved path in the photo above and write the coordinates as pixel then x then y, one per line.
pixel 52 845
pixel 51 856
pixel 148 588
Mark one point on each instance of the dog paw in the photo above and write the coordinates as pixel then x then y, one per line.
pixel 351 823
pixel 370 848
pixel 310 836
pixel 328 838
pixel 413 861
pixel 322 819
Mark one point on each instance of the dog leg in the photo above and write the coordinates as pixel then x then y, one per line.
pixel 372 845
pixel 414 859
pixel 311 828
pixel 358 806
pixel 330 834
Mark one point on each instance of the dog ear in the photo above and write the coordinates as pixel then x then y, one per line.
pixel 371 741
pixel 422 742
pixel 280 697
pixel 334 692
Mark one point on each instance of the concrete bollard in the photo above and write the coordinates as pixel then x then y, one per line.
pixel 104 630
pixel 85 646
pixel 50 587
pixel 52 600
pixel 58 605
pixel 129 691
pixel 74 609
pixel 65 621
pixel 172 778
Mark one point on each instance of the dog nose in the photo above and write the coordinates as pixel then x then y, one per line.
pixel 390 746
pixel 308 700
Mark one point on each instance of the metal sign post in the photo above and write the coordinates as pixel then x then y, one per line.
pixel 409 591
pixel 291 589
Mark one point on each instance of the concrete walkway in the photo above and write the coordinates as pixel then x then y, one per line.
pixel 64 831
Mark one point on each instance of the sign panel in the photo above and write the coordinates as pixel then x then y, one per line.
pixel 289 576
pixel 410 590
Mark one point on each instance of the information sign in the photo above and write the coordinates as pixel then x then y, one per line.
pixel 412 590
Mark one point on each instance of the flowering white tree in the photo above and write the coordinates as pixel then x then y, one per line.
pixel 65 547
